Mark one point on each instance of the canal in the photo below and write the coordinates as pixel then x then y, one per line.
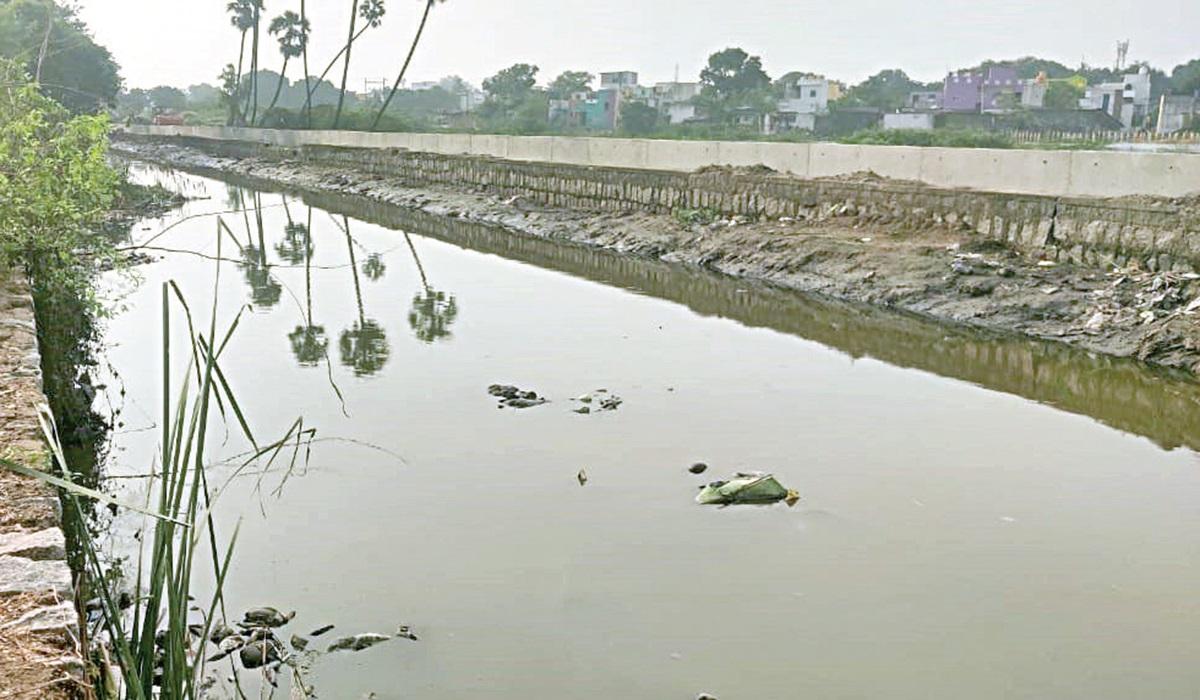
pixel 981 516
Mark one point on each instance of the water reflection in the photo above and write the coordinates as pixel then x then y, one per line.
pixel 1160 405
pixel 265 290
pixel 364 345
pixel 433 311
pixel 308 340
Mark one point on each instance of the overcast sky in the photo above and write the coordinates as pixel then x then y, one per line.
pixel 180 42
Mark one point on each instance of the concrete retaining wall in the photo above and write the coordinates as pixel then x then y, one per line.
pixel 1054 173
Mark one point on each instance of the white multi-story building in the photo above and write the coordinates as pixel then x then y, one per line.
pixel 1128 101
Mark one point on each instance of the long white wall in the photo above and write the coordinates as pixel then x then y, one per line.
pixel 1057 173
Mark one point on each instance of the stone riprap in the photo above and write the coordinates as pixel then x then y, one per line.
pixel 1157 233
pixel 39 632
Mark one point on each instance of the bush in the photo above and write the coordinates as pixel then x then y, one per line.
pixel 956 138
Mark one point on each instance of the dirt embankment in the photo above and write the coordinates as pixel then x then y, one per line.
pixel 951 276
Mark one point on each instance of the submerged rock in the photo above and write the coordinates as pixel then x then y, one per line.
pixel 358 642
pixel 259 653
pixel 698 468
pixel 515 397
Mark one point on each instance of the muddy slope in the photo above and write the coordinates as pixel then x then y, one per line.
pixel 947 276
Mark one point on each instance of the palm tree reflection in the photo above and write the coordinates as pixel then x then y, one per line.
pixel 364 345
pixel 308 341
pixel 432 312
pixel 265 291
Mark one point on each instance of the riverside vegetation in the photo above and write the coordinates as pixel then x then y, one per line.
pixel 58 194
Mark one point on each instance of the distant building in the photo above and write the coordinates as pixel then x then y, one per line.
pixel 674 101
pixel 925 101
pixel 922 121
pixel 1128 100
pixel 423 85
pixel 1177 112
pixel 587 109
pixel 808 94
pixel 619 80
pixel 961 91
pixel 1000 90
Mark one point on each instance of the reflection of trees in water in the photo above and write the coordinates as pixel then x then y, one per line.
pixel 432 312
pixel 364 346
pixel 373 267
pixel 308 341
pixel 265 291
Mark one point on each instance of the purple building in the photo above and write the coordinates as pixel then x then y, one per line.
pixel 982 92
pixel 1000 81
pixel 961 92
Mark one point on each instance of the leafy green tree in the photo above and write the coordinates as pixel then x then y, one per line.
pixel 293 36
pixel 638 119
pixel 732 72
pixel 55 185
pixel 570 82
pixel 412 49
pixel 51 44
pixel 132 103
pixel 1185 78
pixel 511 86
pixel 733 81
pixel 165 98
pixel 1062 94
pixel 886 90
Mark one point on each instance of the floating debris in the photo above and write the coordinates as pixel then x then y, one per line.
pixel 582 477
pixel 746 487
pixel 299 643
pixel 514 397
pixel 265 617
pixel 698 468
pixel 320 631
pixel 405 632
pixel 358 642
pixel 584 410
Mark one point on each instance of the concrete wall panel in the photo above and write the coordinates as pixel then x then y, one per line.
pixel 1021 171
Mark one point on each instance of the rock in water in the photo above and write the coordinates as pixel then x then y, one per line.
pixel 259 654
pixel 266 617
pixel 698 468
pixel 358 642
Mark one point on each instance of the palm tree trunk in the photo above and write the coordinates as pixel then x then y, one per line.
pixel 404 69
pixel 337 116
pixel 278 89
pixel 254 68
pixel 239 114
pixel 308 251
pixel 307 94
pixel 332 62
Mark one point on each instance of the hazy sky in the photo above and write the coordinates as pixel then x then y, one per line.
pixel 188 41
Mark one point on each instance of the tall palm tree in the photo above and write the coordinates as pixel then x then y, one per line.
pixel 307 102
pixel 265 290
pixel 372 12
pixel 408 59
pixel 293 37
pixel 242 14
pixel 252 98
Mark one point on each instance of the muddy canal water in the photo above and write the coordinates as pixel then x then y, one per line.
pixel 981 517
